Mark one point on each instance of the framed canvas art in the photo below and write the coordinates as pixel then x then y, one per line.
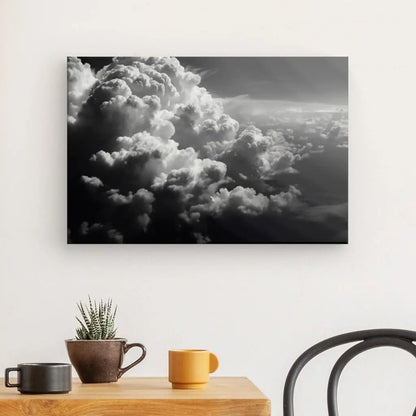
pixel 207 149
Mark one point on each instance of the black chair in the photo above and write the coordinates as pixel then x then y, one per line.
pixel 372 338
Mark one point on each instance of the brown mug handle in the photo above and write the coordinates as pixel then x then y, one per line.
pixel 126 347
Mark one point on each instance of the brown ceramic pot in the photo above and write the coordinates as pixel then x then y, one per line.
pixel 100 361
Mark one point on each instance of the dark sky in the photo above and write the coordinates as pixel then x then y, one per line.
pixel 302 79
pixel 96 62
pixel 305 79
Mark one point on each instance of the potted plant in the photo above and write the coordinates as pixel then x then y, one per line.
pixel 96 353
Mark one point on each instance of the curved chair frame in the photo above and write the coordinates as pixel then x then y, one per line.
pixel 370 339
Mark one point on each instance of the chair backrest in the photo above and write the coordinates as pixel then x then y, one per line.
pixel 367 340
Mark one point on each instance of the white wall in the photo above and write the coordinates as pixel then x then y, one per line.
pixel 257 307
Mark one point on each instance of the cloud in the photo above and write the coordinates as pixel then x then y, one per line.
pixel 246 201
pixel 242 214
pixel 200 179
pixel 248 109
pixel 98 233
pixel 253 157
pixel 197 129
pixel 141 160
pixel 93 182
pixel 134 209
pixel 80 80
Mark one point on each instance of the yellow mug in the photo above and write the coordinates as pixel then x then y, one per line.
pixel 190 369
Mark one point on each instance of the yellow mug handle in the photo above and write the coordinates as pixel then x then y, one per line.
pixel 213 362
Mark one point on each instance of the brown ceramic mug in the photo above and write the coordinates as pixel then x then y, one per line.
pixel 100 361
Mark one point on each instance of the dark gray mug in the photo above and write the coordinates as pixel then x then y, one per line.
pixel 38 378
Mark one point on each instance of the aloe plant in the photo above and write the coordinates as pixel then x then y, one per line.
pixel 97 320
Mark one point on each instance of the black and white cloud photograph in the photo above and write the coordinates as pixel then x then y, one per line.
pixel 207 149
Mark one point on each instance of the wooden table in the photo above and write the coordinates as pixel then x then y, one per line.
pixel 224 396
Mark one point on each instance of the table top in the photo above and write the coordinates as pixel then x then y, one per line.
pixel 151 396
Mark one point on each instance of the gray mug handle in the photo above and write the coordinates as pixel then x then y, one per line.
pixel 6 377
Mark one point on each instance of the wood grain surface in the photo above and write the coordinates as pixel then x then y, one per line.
pixel 153 396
